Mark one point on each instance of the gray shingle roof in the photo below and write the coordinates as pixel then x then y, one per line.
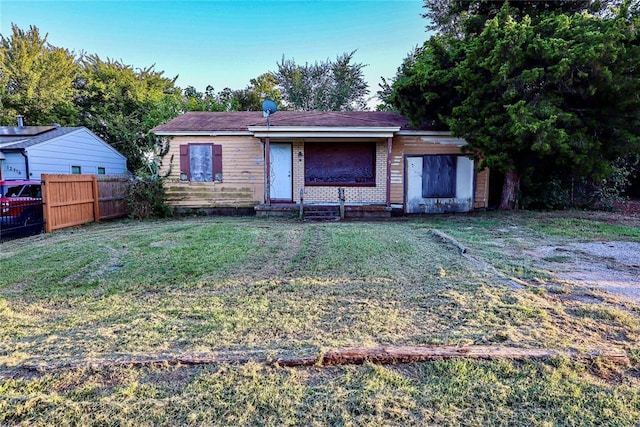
pixel 7 142
pixel 240 121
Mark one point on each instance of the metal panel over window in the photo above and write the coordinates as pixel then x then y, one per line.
pixel 340 163
pixel 201 162
pixel 439 176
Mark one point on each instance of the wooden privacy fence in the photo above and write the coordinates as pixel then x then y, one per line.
pixel 112 196
pixel 71 200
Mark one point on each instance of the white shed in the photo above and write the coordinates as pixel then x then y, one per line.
pixel 26 152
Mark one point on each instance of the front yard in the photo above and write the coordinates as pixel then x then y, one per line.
pixel 266 288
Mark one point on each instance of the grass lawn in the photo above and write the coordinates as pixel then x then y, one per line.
pixel 130 290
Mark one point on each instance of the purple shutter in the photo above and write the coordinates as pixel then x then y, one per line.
pixel 217 162
pixel 184 161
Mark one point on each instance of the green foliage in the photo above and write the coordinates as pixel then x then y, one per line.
pixel 424 89
pixel 547 91
pixel 146 197
pixel 36 80
pixel 121 104
pixel 192 100
pixel 549 190
pixel 248 99
pixel 463 17
pixel 323 86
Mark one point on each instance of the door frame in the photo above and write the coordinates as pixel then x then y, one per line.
pixel 271 167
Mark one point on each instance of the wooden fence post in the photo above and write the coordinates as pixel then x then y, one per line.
pixel 96 199
pixel 46 206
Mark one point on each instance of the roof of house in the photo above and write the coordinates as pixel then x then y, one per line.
pixel 15 137
pixel 242 120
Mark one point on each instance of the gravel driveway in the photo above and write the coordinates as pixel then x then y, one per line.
pixel 612 266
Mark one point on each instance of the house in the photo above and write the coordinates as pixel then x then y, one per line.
pixel 241 160
pixel 26 152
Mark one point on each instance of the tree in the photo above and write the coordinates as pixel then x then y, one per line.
pixel 262 87
pixel 424 89
pixel 193 100
pixel 36 79
pixel 121 104
pixel 323 86
pixel 556 93
pixel 459 18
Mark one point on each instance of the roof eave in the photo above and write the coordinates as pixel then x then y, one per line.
pixel 202 133
pixel 322 132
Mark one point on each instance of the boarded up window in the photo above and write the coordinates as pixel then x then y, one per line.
pixel 201 162
pixel 339 163
pixel 439 176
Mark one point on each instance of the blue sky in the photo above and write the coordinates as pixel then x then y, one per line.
pixel 226 43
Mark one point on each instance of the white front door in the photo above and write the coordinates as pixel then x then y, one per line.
pixel 281 163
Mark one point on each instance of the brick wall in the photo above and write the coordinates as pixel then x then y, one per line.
pixel 377 194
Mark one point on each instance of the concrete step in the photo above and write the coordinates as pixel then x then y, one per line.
pixel 322 213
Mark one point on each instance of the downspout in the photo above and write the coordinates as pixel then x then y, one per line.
pixel 2 159
pixel 26 162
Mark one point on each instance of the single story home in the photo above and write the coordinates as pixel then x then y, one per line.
pixel 26 152
pixel 373 159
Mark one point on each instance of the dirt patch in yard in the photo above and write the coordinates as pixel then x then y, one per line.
pixel 611 266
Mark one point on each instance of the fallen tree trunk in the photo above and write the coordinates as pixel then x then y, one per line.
pixel 450 240
pixel 351 356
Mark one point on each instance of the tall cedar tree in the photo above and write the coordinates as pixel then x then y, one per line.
pixel 560 89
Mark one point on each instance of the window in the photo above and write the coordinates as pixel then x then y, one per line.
pixel 201 162
pixel 101 171
pixel 340 163
pixel 439 176
pixel 76 170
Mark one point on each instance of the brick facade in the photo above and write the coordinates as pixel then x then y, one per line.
pixel 376 194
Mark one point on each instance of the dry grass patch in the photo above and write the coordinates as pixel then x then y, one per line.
pixel 254 286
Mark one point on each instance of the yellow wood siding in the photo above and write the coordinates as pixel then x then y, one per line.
pixel 242 174
pixel 414 145
pixel 482 189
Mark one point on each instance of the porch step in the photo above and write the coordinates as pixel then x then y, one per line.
pixel 321 213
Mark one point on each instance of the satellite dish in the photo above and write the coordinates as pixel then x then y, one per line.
pixel 268 107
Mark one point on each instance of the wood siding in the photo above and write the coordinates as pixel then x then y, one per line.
pixel 482 189
pixel 242 182
pixel 404 145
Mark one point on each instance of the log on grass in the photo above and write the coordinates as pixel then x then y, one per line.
pixel 450 240
pixel 349 356
pixel 410 354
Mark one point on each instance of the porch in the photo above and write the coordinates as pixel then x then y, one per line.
pixel 326 211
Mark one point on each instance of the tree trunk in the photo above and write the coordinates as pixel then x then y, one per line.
pixel 510 190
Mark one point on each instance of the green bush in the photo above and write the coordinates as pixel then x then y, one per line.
pixel 568 191
pixel 147 198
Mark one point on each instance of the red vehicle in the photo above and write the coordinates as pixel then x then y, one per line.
pixel 20 208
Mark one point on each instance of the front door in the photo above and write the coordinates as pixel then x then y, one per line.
pixel 281 163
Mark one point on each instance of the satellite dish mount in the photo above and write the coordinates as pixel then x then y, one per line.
pixel 268 108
